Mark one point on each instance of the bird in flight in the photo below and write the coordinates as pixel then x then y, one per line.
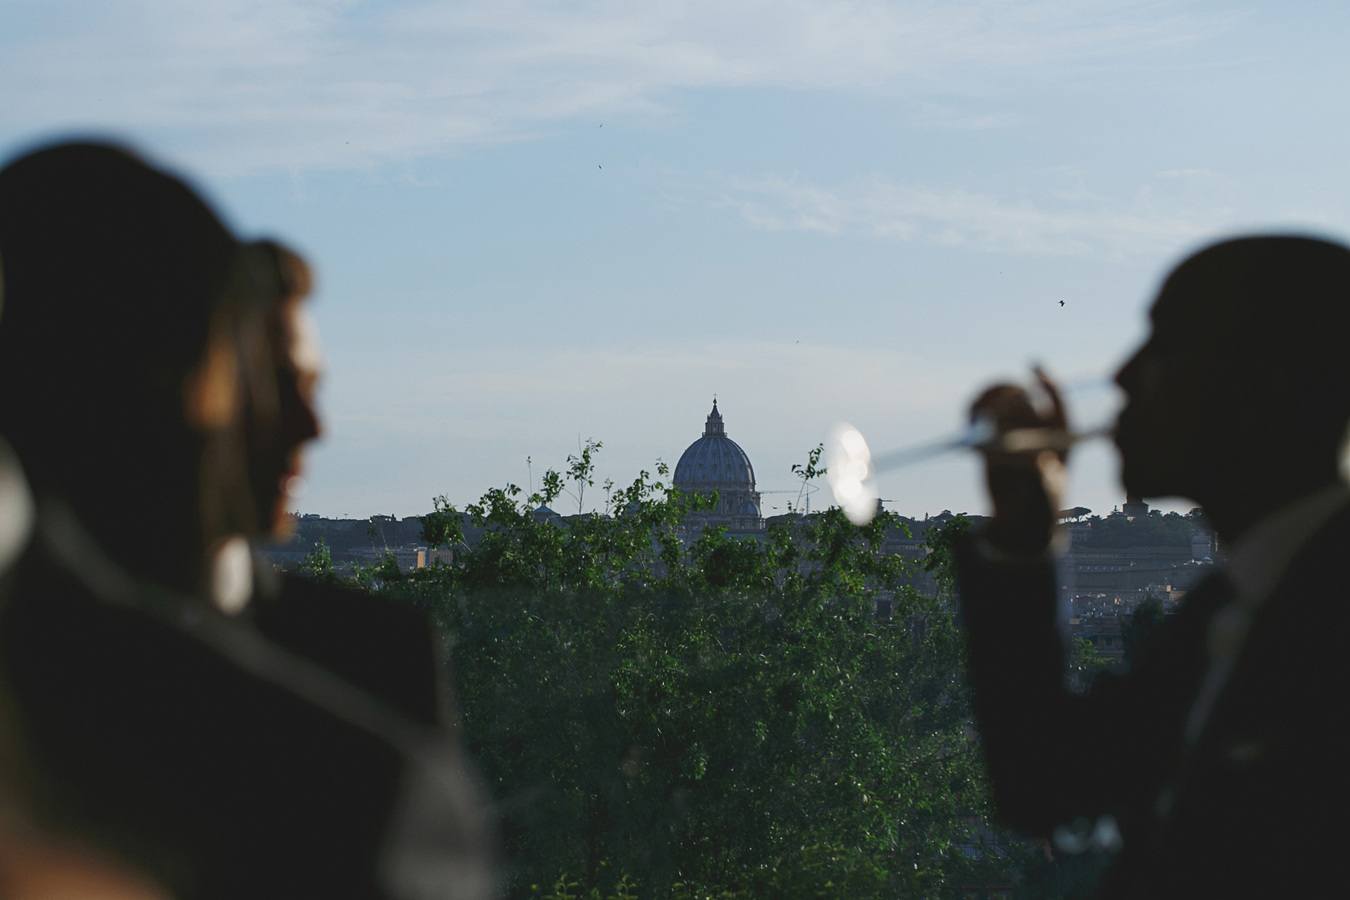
pixel 1061 303
pixel 599 167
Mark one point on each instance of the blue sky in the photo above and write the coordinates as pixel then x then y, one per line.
pixel 538 221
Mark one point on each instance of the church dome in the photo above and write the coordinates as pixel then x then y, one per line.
pixel 714 462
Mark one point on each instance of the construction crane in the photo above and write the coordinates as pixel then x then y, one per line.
pixel 803 493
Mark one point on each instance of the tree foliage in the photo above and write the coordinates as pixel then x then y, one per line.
pixel 1156 528
pixel 667 714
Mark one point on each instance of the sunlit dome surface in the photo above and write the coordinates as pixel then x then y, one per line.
pixel 715 462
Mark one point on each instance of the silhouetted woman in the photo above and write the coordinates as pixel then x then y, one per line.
pixel 162 732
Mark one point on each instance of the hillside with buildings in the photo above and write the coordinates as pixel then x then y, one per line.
pixel 1110 565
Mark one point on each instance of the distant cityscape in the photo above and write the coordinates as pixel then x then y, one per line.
pixel 1112 562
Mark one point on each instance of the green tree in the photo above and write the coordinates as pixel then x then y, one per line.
pixel 669 717
pixel 318 563
pixel 1085 661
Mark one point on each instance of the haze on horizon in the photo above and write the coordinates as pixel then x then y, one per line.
pixel 537 222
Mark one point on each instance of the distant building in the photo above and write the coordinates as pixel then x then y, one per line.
pixel 1104 634
pixel 1135 508
pixel 430 556
pixel 405 557
pixel 716 463
pixel 1115 563
pixel 542 513
pixel 1204 547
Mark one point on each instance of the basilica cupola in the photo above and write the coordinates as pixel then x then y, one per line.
pixel 716 463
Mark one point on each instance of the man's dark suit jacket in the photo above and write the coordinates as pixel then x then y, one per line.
pixel 1256 806
pixel 189 745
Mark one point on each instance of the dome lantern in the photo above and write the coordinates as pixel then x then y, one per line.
pixel 714 424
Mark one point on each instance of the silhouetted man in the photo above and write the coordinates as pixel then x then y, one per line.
pixel 157 729
pixel 1221 754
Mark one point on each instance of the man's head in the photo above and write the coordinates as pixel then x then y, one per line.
pixel 279 425
pixel 1243 382
pixel 117 365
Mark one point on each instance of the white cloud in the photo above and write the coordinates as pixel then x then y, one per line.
pixel 1188 173
pixel 243 85
pixel 774 376
pixel 884 209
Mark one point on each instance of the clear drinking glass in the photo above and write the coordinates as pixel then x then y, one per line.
pixel 851 467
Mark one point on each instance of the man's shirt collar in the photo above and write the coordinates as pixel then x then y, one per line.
pixel 1260 557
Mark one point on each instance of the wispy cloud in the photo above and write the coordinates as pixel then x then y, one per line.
pixel 243 85
pixel 884 209
pixel 1188 173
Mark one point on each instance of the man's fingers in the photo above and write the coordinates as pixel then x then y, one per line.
pixel 1058 412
